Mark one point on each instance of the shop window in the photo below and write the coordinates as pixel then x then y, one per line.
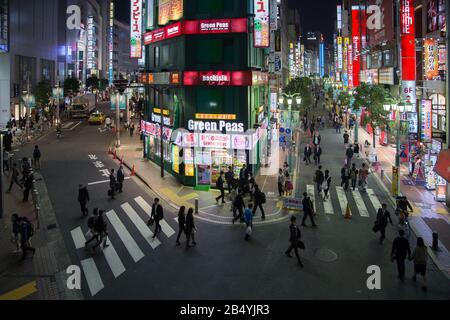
pixel 164 54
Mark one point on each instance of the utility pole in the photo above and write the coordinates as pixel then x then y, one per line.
pixel 2 186
pixel 28 107
pixel 447 37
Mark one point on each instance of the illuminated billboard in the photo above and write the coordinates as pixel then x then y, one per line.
pixel 136 29
pixel 431 59
pixel 262 26
pixel 170 10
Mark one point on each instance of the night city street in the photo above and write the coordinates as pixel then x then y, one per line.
pixel 205 151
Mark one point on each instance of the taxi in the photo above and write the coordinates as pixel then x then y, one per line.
pixel 97 118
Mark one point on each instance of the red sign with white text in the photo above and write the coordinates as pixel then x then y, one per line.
pixel 174 30
pixel 356 44
pixel 215 78
pixel 214 26
pixel 408 40
pixel 221 78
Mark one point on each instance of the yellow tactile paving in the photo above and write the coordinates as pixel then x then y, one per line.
pixel 21 292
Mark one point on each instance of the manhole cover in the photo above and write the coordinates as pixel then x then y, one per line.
pixel 325 255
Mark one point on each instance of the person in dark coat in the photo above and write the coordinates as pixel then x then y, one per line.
pixel 112 184
pixel 307 154
pixel 28 185
pixel 120 178
pixel 259 201
pixel 190 228
pixel 401 251
pixel 383 216
pixel 307 210
pixel 294 237
pixel 83 198
pixel 26 232
pixel 317 154
pixel 14 177
pixel 220 186
pixel 37 158
pixel 319 179
pixel 100 228
pixel 181 223
pixel 345 177
pixel 157 215
pixel 349 155
pixel 229 176
pixel 238 206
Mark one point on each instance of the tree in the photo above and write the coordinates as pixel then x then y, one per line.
pixel 303 87
pixel 43 93
pixel 93 82
pixel 344 98
pixel 71 86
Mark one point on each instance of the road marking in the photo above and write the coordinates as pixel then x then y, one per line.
pixel 328 204
pixel 67 125
pixel 92 275
pixel 78 238
pixel 75 126
pixel 131 245
pixel 342 197
pixel 374 199
pixel 21 292
pixel 104 181
pixel 166 228
pixel 113 260
pixel 141 225
pixel 360 203
pixel 311 192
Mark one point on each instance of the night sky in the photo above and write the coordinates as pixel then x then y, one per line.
pixel 315 15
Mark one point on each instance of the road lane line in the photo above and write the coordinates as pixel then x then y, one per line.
pixel 166 228
pixel 78 238
pixel 104 181
pixel 342 197
pixel 131 245
pixel 360 204
pixel 311 192
pixel 141 225
pixel 92 275
pixel 114 262
pixel 75 126
pixel 374 199
pixel 328 204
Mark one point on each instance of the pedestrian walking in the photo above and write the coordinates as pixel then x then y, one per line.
pixel 229 177
pixel 37 158
pixel 190 228
pixel 308 210
pixel 326 185
pixel 307 154
pixel 345 176
pixel 363 175
pixel 349 156
pixel 157 215
pixel 112 184
pixel 288 187
pixel 14 177
pixel 27 186
pixel 120 179
pixel 83 198
pixel 420 257
pixel 260 199
pixel 248 218
pixel 319 179
pixel 400 251
pixel 317 138
pixel 294 238
pixel 238 206
pixel 100 227
pixel 346 138
pixel 6 159
pixel 251 185
pixel 132 127
pixel 26 233
pixel 317 154
pixel 354 176
pixel 356 149
pixel 383 216
pixel 281 181
pixel 181 223
pixel 322 122
pixel 15 236
pixel 220 186
pixel 91 233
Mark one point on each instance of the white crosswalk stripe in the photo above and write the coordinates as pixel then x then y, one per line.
pixel 78 238
pixel 328 205
pixel 166 228
pixel 342 197
pixel 141 226
pixel 92 275
pixel 360 203
pixel 311 192
pixel 131 245
pixel 374 199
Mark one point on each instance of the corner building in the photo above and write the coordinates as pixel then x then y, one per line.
pixel 206 71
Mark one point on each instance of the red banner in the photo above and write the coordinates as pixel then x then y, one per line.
pixel 408 40
pixel 356 44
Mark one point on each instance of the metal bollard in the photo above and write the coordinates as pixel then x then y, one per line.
pixel 196 206
pixel 435 241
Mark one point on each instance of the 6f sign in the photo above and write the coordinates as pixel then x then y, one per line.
pixel 73 21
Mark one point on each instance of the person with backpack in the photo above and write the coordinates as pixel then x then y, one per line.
pixel 248 218
pixel 181 223
pixel 26 233
pixel 157 215
pixel 112 184
pixel 420 257
pixel 294 239
pixel 353 176
pixel 318 179
pixel 190 228
pixel 91 225
pixel 100 228
pixel 220 186
pixel 326 185
pixel 260 199
pixel 37 158
pixel 83 198
pixel 238 206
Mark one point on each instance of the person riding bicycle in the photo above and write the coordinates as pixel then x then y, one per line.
pixel 402 209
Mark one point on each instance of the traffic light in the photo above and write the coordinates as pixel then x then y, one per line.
pixel 121 85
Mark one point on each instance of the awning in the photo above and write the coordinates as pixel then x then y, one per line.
pixel 442 166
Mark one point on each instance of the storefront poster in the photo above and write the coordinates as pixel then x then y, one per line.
pixel 203 175
pixel 261 24
pixel 170 10
pixel 431 59
pixel 215 141
pixel 136 29
pixel 395 180
pixel 426 121
pixel 176 158
pixel 413 122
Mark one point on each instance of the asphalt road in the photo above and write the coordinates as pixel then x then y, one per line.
pixel 223 265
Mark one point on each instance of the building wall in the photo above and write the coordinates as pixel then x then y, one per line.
pixel 123 64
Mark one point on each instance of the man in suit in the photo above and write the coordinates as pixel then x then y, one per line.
pixel 219 185
pixel 383 216
pixel 401 251
pixel 294 237
pixel 157 215
pixel 229 176
pixel 112 183
pixel 308 210
pixel 120 178
pixel 307 154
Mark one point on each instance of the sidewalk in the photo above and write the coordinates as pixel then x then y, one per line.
pixel 429 215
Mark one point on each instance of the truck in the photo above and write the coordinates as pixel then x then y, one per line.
pixel 83 105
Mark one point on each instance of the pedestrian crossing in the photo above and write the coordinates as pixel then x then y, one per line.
pixel 122 225
pixel 362 201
